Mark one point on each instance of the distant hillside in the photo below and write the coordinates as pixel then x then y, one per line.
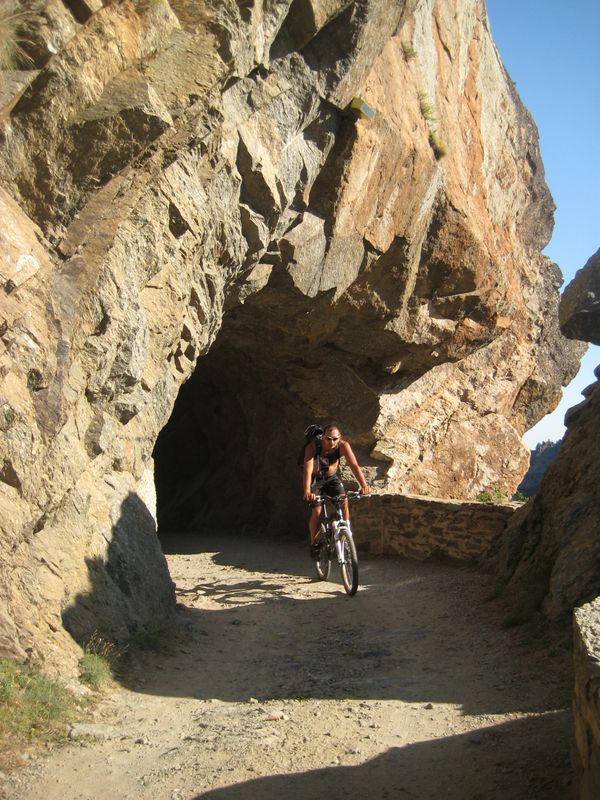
pixel 541 458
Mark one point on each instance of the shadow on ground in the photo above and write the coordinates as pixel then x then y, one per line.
pixel 416 632
pixel 259 553
pixel 500 760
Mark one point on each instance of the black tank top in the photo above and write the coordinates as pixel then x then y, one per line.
pixel 326 460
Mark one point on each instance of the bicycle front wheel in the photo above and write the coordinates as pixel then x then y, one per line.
pixel 323 563
pixel 349 565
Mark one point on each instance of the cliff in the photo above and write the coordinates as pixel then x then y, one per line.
pixel 551 553
pixel 198 196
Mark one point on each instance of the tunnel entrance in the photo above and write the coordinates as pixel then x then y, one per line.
pixel 221 462
pixel 227 458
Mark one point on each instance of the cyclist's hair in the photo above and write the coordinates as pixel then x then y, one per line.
pixel 331 425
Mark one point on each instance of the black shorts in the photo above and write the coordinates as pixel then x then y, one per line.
pixel 330 486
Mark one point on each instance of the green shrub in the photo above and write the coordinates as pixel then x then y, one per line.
pixel 519 497
pixel 496 496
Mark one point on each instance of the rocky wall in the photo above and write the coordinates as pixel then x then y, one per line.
pixel 586 700
pixel 551 549
pixel 190 197
pixel 579 310
pixel 420 528
pixel 549 555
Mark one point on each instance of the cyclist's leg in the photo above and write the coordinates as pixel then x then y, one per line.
pixel 346 510
pixel 314 520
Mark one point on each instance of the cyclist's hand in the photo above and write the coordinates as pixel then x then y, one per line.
pixel 365 489
pixel 309 496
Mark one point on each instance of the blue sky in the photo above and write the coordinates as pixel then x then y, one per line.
pixel 551 50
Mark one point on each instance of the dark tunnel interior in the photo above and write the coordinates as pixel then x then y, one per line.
pixel 202 463
pixel 227 458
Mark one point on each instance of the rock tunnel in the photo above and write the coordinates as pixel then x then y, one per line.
pixel 227 458
pixel 207 182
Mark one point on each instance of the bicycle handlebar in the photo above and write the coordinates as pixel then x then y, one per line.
pixel 320 499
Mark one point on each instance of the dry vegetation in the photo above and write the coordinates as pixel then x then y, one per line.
pixel 13 35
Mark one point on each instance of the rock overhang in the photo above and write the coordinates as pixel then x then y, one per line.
pixel 203 198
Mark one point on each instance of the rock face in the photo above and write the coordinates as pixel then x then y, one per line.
pixel 542 456
pixel 586 708
pixel 190 201
pixel 551 549
pixel 579 312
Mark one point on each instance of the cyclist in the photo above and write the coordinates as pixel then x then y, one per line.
pixel 321 475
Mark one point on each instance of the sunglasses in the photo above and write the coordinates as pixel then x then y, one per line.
pixel 332 438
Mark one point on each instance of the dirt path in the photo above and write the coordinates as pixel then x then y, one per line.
pixel 277 686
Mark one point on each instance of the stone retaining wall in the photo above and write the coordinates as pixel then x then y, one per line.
pixel 586 700
pixel 418 527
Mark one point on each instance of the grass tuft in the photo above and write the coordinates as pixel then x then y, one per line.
pixel 427 107
pixel 94 670
pixel 13 25
pixel 408 50
pixel 33 708
pixel 438 147
pixel 99 661
pixel 429 115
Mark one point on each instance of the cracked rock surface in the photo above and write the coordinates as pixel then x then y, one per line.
pixel 192 202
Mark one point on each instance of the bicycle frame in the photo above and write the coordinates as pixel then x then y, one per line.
pixel 335 534
pixel 334 522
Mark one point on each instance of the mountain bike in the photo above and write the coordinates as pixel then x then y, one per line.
pixel 335 538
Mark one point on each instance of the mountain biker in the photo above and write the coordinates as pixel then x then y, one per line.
pixel 321 475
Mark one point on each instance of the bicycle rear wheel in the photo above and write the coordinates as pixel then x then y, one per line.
pixel 349 565
pixel 323 563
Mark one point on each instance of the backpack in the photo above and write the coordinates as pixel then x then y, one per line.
pixel 312 433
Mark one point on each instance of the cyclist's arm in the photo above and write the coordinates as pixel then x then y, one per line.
pixel 348 454
pixel 307 472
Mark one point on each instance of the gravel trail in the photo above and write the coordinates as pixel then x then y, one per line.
pixel 275 685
